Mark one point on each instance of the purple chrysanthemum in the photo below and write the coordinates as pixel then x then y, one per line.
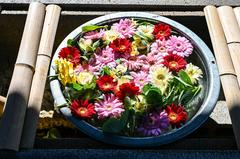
pixel 111 106
pixel 125 28
pixel 154 124
pixel 106 58
pixel 179 45
pixel 140 79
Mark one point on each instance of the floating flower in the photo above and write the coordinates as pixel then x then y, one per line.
pixel 134 49
pixel 140 78
pixel 121 46
pixel 125 28
pixel 154 124
pixel 127 89
pixel 158 48
pixel 141 105
pixel 106 83
pixel 179 45
pixel 177 115
pixel 194 72
pixel 72 54
pixel 84 77
pixel 110 106
pixel 174 62
pixel 146 30
pixel 110 35
pixel 94 34
pixel 106 58
pixel 65 71
pixel 82 109
pixel 85 44
pixel 161 31
pixel 133 63
pixel 160 76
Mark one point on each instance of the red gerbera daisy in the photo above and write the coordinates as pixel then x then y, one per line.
pixel 106 83
pixel 174 62
pixel 70 53
pixel 176 115
pixel 121 46
pixel 127 89
pixel 82 109
pixel 161 31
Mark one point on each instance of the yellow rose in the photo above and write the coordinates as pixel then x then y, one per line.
pixel 65 71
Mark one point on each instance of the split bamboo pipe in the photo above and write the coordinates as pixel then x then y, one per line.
pixel 12 121
pixel 227 73
pixel 40 76
pixel 232 34
pixel 237 14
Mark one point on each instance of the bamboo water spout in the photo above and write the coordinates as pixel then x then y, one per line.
pixel 227 73
pixel 40 76
pixel 12 121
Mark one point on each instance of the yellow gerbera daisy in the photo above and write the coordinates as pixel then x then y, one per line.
pixel 194 72
pixel 160 76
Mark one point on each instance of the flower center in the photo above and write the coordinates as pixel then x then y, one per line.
pixel 162 49
pixel 160 76
pixel 82 110
pixel 109 107
pixel 122 47
pixel 173 116
pixel 178 44
pixel 141 80
pixel 107 85
pixel 173 64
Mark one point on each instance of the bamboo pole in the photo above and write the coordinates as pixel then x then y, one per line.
pixel 2 101
pixel 15 107
pixel 232 34
pixel 40 76
pixel 237 14
pixel 227 74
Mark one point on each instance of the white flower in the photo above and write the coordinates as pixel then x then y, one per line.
pixel 110 35
pixel 84 78
pixel 146 30
pixel 194 72
pixel 160 76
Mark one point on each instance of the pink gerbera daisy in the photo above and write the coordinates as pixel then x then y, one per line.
pixel 140 79
pixel 159 48
pixel 94 34
pixel 106 58
pixel 125 27
pixel 179 45
pixel 110 106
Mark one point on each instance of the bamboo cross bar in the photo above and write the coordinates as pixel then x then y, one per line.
pixel 17 98
pixel 232 34
pixel 39 78
pixel 227 74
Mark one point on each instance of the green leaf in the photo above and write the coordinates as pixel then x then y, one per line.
pixel 71 42
pixel 146 88
pixel 52 134
pixel 154 97
pixel 105 70
pixel 87 28
pixel 184 76
pixel 77 87
pixel 96 44
pixel 114 125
